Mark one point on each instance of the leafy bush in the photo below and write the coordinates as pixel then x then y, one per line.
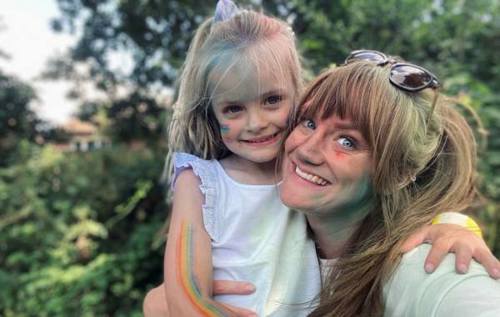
pixel 77 232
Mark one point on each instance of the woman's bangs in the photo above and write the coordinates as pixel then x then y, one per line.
pixel 330 95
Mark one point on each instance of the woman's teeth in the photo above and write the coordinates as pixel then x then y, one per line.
pixel 312 178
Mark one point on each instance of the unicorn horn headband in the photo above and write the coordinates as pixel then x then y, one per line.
pixel 225 10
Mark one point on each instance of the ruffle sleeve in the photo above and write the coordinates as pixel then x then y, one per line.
pixel 205 170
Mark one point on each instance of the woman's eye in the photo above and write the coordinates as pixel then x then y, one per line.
pixel 232 109
pixel 308 123
pixel 347 143
pixel 273 99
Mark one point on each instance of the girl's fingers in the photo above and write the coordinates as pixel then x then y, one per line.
pixel 221 287
pixel 417 238
pixel 490 263
pixel 463 256
pixel 436 255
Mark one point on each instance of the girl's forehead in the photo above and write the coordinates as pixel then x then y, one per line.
pixel 245 82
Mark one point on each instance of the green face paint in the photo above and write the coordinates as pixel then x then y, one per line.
pixel 224 129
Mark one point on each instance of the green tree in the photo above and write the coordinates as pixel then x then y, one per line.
pixel 17 120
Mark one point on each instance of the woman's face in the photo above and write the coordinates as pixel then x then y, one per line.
pixel 327 164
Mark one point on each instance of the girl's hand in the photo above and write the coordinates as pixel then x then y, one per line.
pixel 450 238
pixel 155 304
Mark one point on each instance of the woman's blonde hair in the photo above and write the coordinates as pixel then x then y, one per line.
pixel 249 40
pixel 424 163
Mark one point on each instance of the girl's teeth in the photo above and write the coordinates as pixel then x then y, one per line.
pixel 263 139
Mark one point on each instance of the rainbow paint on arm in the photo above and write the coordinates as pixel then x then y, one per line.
pixel 187 278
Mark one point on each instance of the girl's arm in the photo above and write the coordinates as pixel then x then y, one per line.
pixel 188 255
pixel 451 238
pixel 155 304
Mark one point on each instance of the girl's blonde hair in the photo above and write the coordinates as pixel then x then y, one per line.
pixel 424 163
pixel 249 40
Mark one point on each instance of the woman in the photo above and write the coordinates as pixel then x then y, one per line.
pixel 373 156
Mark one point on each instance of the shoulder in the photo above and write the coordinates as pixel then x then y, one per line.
pixel 191 166
pixel 410 291
pixel 187 181
pixel 183 160
pixel 195 185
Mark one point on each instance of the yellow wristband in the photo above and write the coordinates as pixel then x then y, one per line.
pixel 458 219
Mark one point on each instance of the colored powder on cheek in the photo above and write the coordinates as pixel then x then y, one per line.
pixel 339 155
pixel 224 129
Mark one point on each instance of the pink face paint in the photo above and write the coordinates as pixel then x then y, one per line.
pixel 339 155
pixel 185 274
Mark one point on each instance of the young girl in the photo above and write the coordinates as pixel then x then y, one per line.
pixel 240 81
pixel 238 86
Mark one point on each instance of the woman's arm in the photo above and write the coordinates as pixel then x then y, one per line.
pixel 448 237
pixel 188 254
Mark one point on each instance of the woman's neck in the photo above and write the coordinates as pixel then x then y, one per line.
pixel 333 229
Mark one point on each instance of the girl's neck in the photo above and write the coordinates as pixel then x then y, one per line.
pixel 249 172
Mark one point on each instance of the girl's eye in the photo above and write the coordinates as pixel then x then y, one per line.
pixel 308 123
pixel 347 143
pixel 273 99
pixel 232 109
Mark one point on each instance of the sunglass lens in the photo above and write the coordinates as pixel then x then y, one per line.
pixel 370 56
pixel 410 77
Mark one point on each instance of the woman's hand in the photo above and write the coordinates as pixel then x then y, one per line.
pixel 451 238
pixel 155 302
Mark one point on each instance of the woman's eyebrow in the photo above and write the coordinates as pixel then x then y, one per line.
pixel 346 126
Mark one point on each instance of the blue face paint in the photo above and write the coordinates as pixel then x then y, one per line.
pixel 224 129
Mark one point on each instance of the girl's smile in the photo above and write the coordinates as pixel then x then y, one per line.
pixel 265 140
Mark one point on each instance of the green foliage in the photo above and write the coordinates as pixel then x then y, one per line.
pixel 17 120
pixel 75 235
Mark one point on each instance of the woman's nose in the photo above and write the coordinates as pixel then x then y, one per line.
pixel 310 151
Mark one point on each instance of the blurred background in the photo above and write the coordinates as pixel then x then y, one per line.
pixel 85 90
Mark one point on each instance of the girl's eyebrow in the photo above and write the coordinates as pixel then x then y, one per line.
pixel 277 91
pixel 271 92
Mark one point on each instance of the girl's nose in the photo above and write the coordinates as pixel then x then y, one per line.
pixel 256 121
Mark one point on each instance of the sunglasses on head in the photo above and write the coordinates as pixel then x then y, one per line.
pixel 405 76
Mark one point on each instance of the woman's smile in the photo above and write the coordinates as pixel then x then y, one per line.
pixel 315 179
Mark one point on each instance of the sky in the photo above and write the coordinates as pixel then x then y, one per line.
pixel 25 35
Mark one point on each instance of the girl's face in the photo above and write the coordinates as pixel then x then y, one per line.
pixel 326 165
pixel 252 113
